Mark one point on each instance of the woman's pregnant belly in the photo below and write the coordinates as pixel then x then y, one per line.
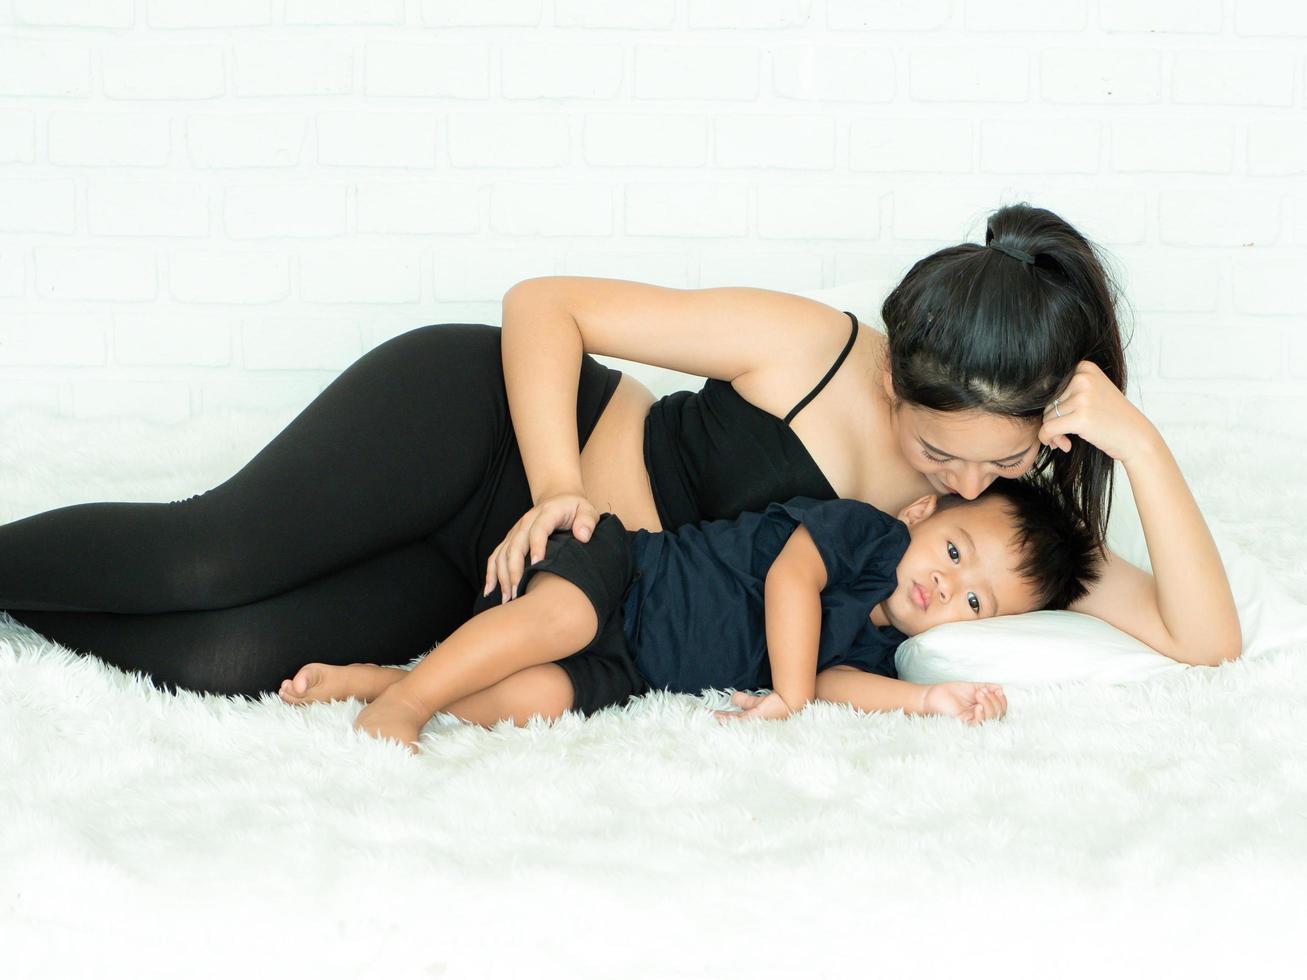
pixel 612 462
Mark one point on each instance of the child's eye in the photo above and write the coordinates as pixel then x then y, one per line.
pixel 973 602
pixel 952 552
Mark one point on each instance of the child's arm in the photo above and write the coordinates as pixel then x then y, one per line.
pixel 1185 609
pixel 871 692
pixel 792 611
pixel 973 703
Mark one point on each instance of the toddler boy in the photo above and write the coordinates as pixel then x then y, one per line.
pixel 767 600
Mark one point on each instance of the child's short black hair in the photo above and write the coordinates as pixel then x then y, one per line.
pixel 1062 558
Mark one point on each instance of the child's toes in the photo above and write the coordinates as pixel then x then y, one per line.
pixel 306 677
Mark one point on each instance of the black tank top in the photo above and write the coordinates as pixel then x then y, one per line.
pixel 712 455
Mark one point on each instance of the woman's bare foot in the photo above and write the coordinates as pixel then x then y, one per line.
pixel 329 682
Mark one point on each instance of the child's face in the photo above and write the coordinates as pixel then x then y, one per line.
pixel 961 564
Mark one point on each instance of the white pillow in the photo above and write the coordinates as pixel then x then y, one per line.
pixel 1049 647
pixel 1056 647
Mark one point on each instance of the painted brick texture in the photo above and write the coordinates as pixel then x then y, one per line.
pixel 207 206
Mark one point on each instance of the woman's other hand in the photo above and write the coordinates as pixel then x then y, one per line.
pixel 556 512
pixel 1096 410
pixel 973 703
pixel 756 706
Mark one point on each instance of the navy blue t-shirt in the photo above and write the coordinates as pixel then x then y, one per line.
pixel 694 612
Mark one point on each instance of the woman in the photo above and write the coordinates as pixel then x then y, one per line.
pixel 370 525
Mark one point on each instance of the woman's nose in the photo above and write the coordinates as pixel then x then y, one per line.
pixel 970 483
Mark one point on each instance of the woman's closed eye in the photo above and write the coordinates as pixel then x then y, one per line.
pixel 1015 465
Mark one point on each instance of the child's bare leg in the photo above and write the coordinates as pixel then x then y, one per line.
pixel 551 620
pixel 333 682
pixel 543 690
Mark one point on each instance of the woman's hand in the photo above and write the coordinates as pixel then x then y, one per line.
pixel 556 512
pixel 1096 410
pixel 973 703
pixel 764 706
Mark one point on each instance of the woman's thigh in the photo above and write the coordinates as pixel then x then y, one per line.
pixel 392 450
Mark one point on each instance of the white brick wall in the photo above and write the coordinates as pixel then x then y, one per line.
pixel 1123 76
pixel 122 208
pixel 38 67
pixel 428 207
pixel 172 70
pixel 39 205
pixel 427 68
pixel 17 136
pixel 1189 144
pixel 215 205
pixel 77 273
pixel 285 209
pixel 264 139
pixel 356 275
pixel 75 13
pixel 1161 16
pixel 109 137
pixel 166 14
pixel 232 275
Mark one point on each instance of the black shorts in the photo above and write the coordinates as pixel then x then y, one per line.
pixel 603 673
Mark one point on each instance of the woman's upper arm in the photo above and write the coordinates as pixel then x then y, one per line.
pixel 1126 596
pixel 721 332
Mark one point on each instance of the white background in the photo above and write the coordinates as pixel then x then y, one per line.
pixel 211 206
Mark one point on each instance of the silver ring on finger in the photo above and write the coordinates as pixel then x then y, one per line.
pixel 1055 411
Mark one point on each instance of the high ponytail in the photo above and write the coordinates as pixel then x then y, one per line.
pixel 971 327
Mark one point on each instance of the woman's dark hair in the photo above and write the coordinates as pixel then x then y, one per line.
pixel 972 327
pixel 1059 555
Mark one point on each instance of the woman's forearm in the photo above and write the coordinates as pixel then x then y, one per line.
pixel 542 352
pixel 1193 592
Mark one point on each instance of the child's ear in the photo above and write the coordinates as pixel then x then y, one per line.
pixel 919 509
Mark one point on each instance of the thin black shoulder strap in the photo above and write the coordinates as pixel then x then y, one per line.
pixel 853 335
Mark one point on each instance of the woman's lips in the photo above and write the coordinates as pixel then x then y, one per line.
pixel 919 596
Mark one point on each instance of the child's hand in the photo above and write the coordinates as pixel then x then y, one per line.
pixel 755 706
pixel 973 703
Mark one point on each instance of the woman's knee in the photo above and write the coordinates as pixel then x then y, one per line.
pixel 203 557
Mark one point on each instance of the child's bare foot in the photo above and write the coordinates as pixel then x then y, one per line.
pixel 329 682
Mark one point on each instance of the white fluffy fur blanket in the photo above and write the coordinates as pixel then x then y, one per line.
pixel 1130 831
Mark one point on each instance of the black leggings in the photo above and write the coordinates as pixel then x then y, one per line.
pixel 360 533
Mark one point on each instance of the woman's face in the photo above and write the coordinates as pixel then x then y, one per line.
pixel 964 452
